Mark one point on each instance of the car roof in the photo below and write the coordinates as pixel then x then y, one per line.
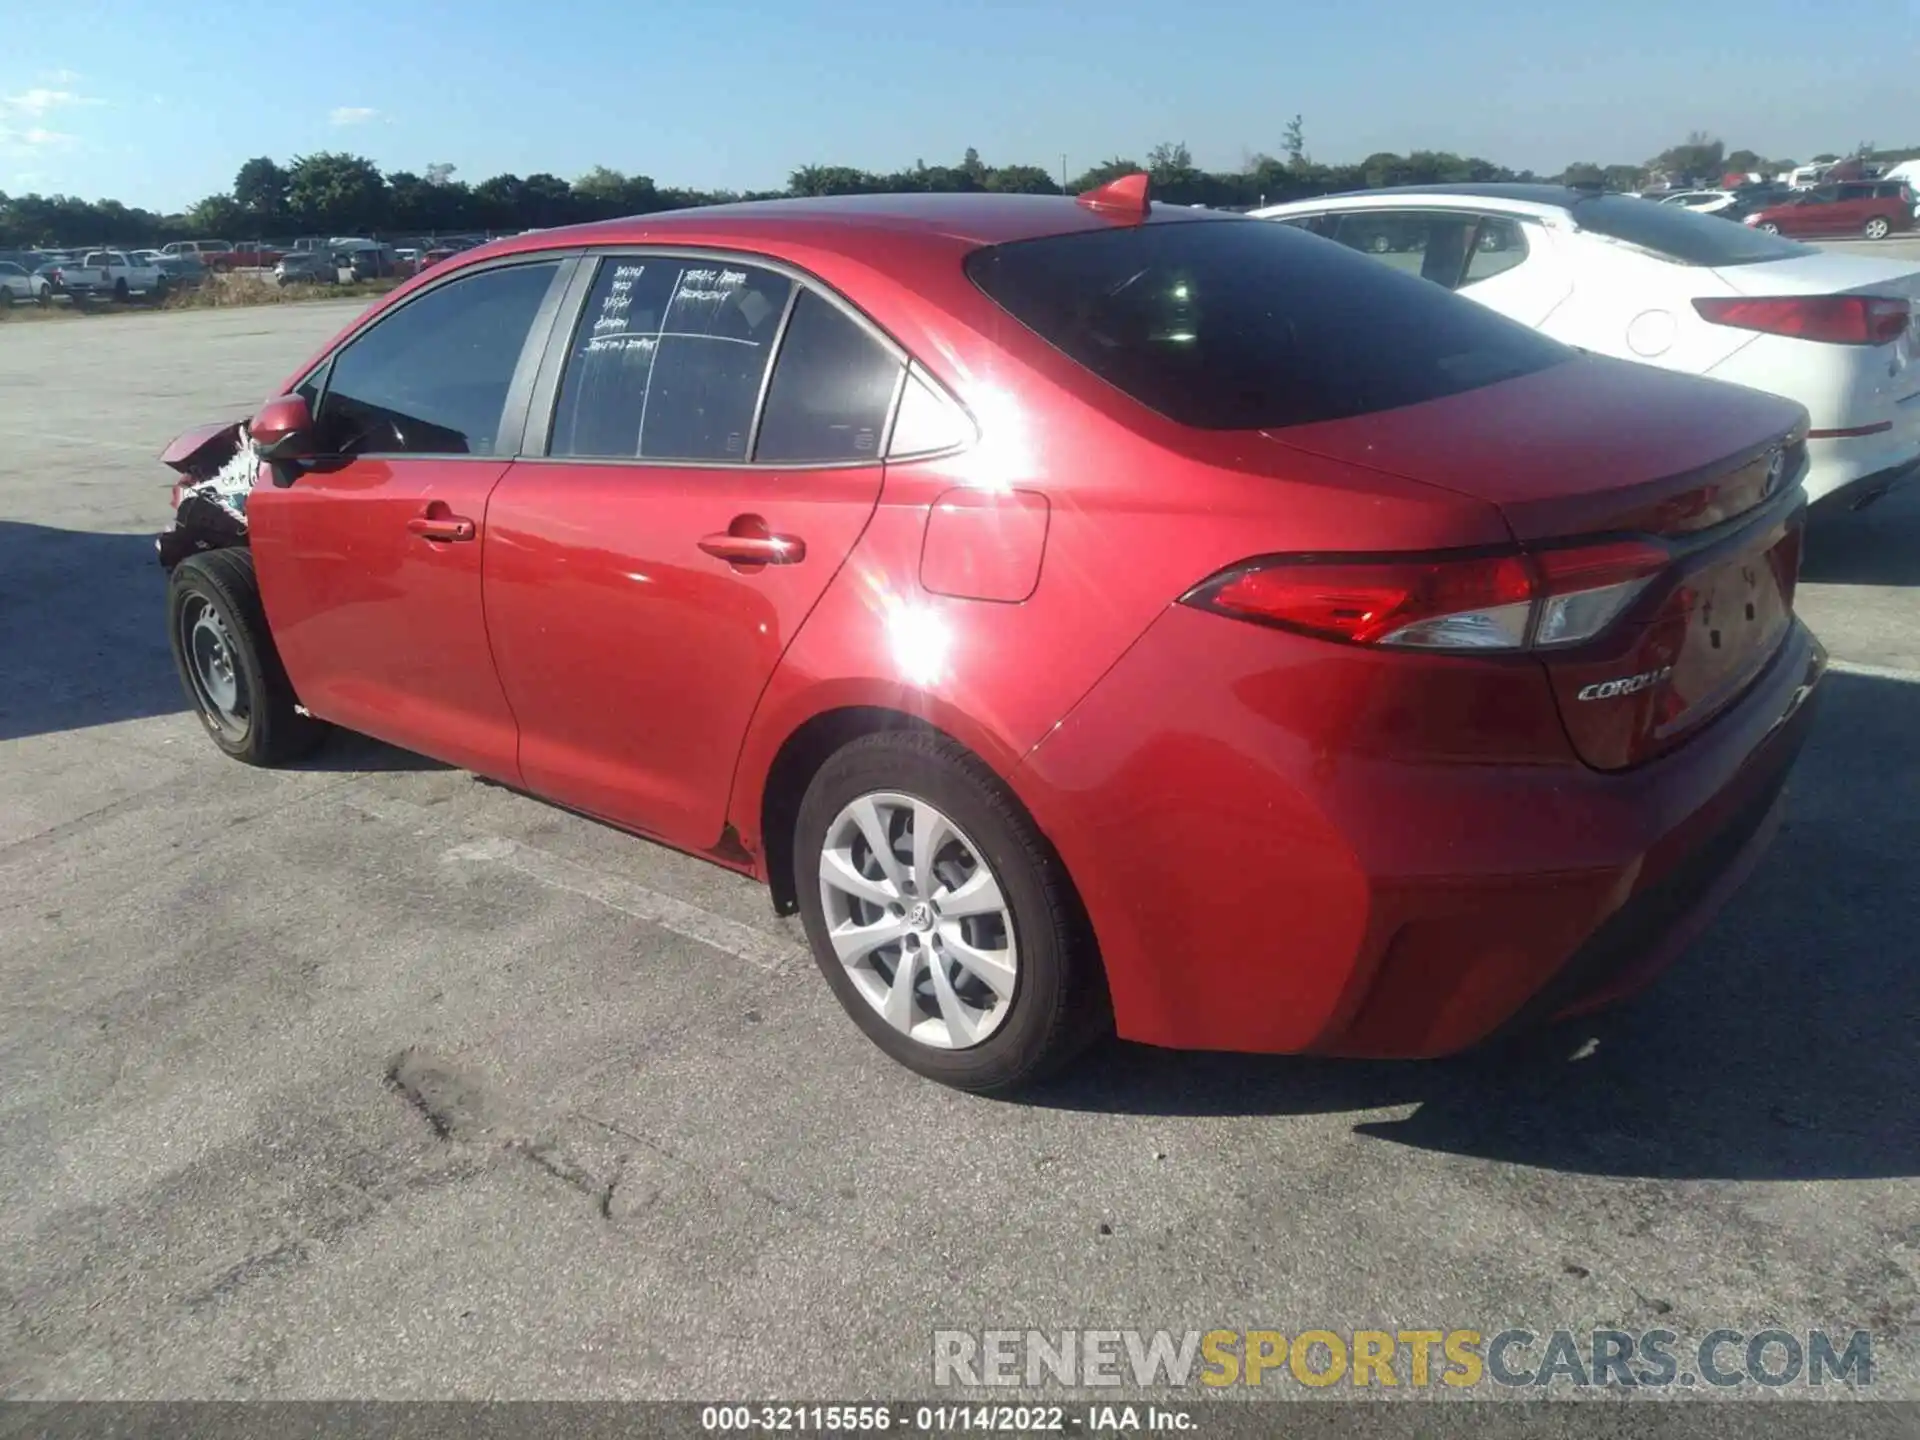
pixel 866 225
pixel 1516 195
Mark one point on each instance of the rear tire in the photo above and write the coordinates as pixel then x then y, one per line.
pixel 1046 999
pixel 225 657
pixel 1769 227
pixel 1877 228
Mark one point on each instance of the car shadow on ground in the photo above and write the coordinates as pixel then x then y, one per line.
pixel 1784 1044
pixel 1879 545
pixel 83 642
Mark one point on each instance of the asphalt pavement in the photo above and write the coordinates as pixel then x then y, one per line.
pixel 369 1079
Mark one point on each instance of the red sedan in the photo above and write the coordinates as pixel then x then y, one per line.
pixel 1086 615
pixel 1871 208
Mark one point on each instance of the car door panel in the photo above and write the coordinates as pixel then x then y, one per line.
pixel 644 578
pixel 370 557
pixel 633 658
pixel 381 628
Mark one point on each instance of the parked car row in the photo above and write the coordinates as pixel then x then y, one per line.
pixel 1086 615
pixel 41 277
pixel 19 285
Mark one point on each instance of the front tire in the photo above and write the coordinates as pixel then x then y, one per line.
pixel 941 918
pixel 120 292
pixel 1768 227
pixel 1877 228
pixel 227 663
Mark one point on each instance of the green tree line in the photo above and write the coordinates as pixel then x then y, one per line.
pixel 332 193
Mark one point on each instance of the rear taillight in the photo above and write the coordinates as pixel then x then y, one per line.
pixel 1832 319
pixel 1482 602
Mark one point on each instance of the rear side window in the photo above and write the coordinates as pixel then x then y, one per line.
pixel 668 360
pixel 831 389
pixel 1498 246
pixel 1677 234
pixel 1238 325
pixel 432 377
pixel 1448 247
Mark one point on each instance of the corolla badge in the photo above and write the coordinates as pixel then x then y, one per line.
pixel 1625 685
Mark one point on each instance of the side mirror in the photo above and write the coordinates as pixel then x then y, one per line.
pixel 283 429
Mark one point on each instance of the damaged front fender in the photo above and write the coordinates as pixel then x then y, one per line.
pixel 220 465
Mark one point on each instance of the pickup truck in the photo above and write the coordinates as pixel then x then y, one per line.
pixel 205 250
pixel 247 255
pixel 103 274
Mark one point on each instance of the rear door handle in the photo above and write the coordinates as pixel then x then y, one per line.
pixel 749 542
pixel 437 522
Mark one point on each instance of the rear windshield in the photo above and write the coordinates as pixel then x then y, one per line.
pixel 1247 325
pixel 1676 233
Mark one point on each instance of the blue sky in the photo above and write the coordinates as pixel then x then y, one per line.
pixel 163 101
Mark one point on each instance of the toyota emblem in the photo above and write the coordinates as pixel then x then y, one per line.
pixel 1776 466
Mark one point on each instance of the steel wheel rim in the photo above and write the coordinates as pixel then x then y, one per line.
pixel 219 684
pixel 919 920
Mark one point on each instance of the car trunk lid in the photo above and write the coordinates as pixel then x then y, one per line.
pixel 1824 272
pixel 1598 453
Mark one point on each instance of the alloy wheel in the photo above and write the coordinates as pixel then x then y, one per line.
pixel 1877 228
pixel 919 919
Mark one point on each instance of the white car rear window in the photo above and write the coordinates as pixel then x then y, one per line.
pixel 1676 233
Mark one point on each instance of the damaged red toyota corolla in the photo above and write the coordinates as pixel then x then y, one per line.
pixel 1084 614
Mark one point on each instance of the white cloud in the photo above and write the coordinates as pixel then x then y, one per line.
pixel 351 114
pixel 39 100
pixel 32 140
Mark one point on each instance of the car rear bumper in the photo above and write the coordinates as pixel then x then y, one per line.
pixel 1257 883
pixel 1863 403
pixel 1855 466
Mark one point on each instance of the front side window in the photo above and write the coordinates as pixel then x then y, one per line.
pixel 432 377
pixel 668 359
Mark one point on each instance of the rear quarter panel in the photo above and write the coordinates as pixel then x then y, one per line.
pixel 1139 510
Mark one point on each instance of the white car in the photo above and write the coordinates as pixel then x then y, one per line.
pixel 1661 284
pixel 17 284
pixel 1701 202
